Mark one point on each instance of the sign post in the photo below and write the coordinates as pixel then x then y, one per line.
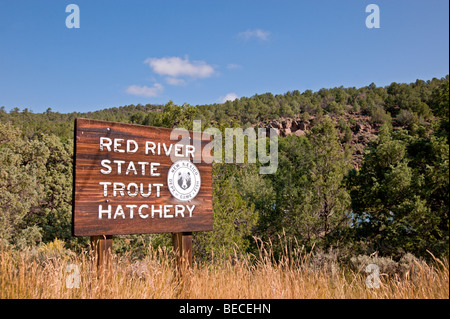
pixel 182 245
pixel 102 246
pixel 134 179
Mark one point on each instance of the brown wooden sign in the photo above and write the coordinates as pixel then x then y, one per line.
pixel 132 179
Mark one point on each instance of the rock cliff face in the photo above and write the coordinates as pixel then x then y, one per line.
pixel 362 131
pixel 289 126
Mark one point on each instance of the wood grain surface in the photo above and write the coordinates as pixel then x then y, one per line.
pixel 89 192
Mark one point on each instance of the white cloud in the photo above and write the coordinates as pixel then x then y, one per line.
pixel 228 97
pixel 144 90
pixel 175 81
pixel 175 67
pixel 233 66
pixel 256 33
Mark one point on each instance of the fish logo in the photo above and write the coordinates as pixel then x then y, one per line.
pixel 183 180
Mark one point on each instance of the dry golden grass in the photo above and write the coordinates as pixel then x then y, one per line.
pixel 24 275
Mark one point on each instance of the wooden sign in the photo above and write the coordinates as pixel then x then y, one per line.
pixel 133 179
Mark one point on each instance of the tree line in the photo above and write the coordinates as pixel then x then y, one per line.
pixel 395 203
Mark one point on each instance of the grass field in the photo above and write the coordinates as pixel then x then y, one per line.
pixel 37 274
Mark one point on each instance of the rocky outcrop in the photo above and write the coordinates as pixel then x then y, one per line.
pixel 362 132
pixel 289 126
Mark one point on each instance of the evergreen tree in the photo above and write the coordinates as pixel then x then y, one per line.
pixel 22 164
pixel 234 218
pixel 400 195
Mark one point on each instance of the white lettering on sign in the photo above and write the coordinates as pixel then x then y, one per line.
pixel 132 189
pixel 129 168
pixel 187 185
pixel 179 150
pixel 131 146
pixel 120 145
pixel 144 211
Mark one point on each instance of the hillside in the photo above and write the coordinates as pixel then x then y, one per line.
pixel 361 170
pixel 358 113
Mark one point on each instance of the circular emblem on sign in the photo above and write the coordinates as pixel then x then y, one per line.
pixel 183 180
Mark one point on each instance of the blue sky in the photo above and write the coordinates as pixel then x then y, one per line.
pixel 202 52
